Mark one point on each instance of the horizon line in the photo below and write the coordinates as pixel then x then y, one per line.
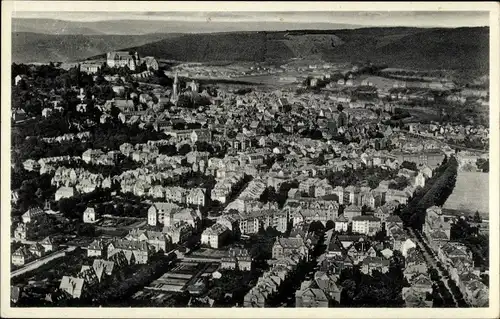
pixel 416 19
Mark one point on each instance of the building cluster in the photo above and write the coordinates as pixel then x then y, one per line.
pixel 449 131
pixel 287 255
pixel 457 258
pixel 33 233
pixel 120 59
pixel 35 223
pixel 69 137
pixel 268 159
pixel 109 267
pixel 73 181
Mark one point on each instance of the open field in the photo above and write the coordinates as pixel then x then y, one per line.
pixel 470 194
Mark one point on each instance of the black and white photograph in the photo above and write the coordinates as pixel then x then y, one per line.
pixel 283 158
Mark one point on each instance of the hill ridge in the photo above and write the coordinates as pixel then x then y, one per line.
pixel 406 47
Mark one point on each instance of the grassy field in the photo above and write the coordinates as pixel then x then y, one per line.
pixel 471 193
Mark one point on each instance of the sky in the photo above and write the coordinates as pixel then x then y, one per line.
pixel 371 18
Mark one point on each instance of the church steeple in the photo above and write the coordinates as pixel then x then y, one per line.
pixel 198 213
pixel 176 85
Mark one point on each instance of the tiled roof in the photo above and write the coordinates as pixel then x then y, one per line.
pixel 290 242
pixel 366 217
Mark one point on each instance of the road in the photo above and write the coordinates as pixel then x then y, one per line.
pixel 456 296
pixel 41 261
pixel 432 260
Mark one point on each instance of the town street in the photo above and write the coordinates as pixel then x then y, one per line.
pixel 432 260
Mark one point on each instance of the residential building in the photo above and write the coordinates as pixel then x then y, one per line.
pixel 341 224
pixel 103 268
pixel 415 264
pixel 158 240
pixel 319 292
pixel 323 188
pixel 361 250
pixel 475 292
pixel 167 214
pixel 24 231
pixel 91 156
pixel 416 299
pixel 453 252
pixel 158 211
pixel 89 215
pixel 267 286
pixel 37 250
pixel 196 196
pixel 237 258
pixel 97 248
pixel 437 227
pixel 309 296
pixel 33 215
pixel 348 240
pixel 21 256
pixel 352 211
pixel 251 222
pixel 370 264
pixel 90 68
pixel 284 247
pixel 397 236
pixel 64 192
pixel 215 236
pixel 431 158
pixel 136 252
pixel 73 286
pixel 396 195
pixel 151 63
pixel 366 224
pixel 178 232
pixel 31 165
pixel 392 220
pixel 311 209
pixel 48 244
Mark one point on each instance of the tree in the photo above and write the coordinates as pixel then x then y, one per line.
pixel 67 207
pixel 400 183
pixel 409 165
pixel 348 291
pixel 461 229
pixel 397 260
pixel 269 195
pixel 39 193
pixel 433 273
pixel 184 149
pixel 320 160
pixel 201 100
pixel 316 227
pixel 330 224
pixel 477 218
pixel 483 165
pixel 216 294
pixel 85 230
pixel 184 101
pixel 168 149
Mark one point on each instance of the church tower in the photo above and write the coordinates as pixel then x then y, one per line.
pixel 175 89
